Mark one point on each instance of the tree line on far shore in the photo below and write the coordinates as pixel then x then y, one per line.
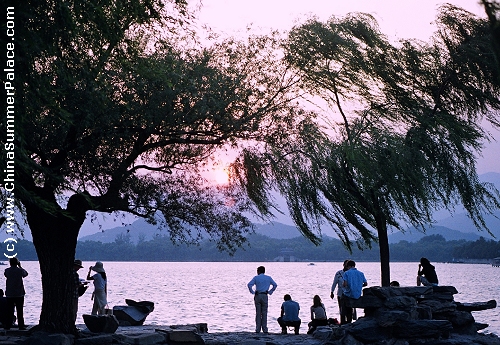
pixel 263 248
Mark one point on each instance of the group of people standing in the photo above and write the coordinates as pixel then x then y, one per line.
pixel 348 284
pixel 15 292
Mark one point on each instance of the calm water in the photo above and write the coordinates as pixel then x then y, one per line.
pixel 216 293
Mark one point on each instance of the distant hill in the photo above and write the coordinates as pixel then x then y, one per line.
pixel 141 229
pixel 277 230
pixel 458 226
pixel 413 235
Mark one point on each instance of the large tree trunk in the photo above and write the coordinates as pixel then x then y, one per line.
pixel 54 237
pixel 383 241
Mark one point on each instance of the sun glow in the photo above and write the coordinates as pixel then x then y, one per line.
pixel 220 176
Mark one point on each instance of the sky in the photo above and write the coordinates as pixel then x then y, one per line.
pixel 397 19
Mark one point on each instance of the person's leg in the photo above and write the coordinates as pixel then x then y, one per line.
pixel 95 307
pixel 20 311
pixel 311 326
pixel 258 313
pixel 297 326
pixel 346 311
pixel 264 313
pixel 282 325
pixel 341 312
pixel 10 313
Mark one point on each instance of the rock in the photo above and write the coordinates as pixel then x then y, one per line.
pixel 323 332
pixel 350 340
pixel 369 301
pixel 388 318
pixel 400 302
pixel 451 290
pixel 439 307
pixel 42 338
pixel 101 323
pixel 181 336
pixel 476 306
pixel 143 339
pixel 100 339
pixel 366 330
pixel 424 312
pixel 422 329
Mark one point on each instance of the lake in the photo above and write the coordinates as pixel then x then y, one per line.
pixel 216 293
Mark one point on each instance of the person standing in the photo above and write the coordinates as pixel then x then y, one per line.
pixel 338 281
pixel 262 284
pixel 426 273
pixel 354 281
pixel 100 288
pixel 15 292
pixel 80 286
pixel 289 315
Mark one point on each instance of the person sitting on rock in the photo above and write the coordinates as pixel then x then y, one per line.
pixel 354 281
pixel 289 315
pixel 318 315
pixel 426 273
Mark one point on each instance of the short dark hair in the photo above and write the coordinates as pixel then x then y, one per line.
pixel 261 269
pixel 14 261
pixel 287 297
pixel 351 263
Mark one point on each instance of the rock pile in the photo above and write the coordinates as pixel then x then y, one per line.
pixel 411 315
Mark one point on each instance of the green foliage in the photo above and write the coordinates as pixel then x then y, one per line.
pixel 405 135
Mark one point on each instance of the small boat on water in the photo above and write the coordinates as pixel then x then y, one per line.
pixel 134 313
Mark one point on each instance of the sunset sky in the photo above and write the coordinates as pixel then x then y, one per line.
pixel 397 19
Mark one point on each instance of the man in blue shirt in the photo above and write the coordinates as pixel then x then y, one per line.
pixel 262 284
pixel 354 281
pixel 289 315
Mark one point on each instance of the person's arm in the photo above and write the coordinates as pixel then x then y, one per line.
pixel 334 285
pixel 88 274
pixel 282 311
pixel 25 273
pixel 250 284
pixel 273 283
pixel 312 312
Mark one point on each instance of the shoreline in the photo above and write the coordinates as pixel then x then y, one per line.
pixel 190 334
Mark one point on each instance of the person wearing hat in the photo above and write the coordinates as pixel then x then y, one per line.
pixel 15 291
pixel 100 288
pixel 80 285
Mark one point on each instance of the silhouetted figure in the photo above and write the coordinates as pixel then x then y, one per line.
pixel 318 315
pixel 262 284
pixel 354 281
pixel 15 291
pixel 426 273
pixel 100 288
pixel 289 315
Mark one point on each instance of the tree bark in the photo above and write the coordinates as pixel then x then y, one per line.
pixel 55 237
pixel 383 241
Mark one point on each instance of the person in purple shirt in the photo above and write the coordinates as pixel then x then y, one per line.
pixel 262 284
pixel 354 281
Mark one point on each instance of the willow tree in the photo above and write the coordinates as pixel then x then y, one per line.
pixel 112 115
pixel 401 139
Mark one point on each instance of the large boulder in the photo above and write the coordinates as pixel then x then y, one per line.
pixel 101 323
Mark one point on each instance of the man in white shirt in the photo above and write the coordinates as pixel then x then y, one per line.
pixel 338 282
pixel 262 284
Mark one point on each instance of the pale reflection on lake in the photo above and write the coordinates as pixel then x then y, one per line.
pixel 216 292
